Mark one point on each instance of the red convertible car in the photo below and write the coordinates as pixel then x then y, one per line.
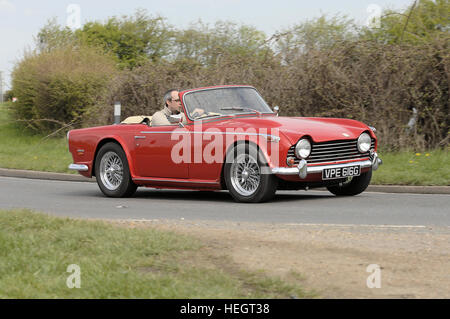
pixel 238 143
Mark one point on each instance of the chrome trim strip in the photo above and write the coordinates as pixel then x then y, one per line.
pixel 330 150
pixel 338 143
pixel 273 138
pixel 79 167
pixel 317 169
pixel 165 132
pixel 139 137
pixel 325 159
pixel 172 181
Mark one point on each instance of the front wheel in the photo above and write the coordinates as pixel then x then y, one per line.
pixel 112 172
pixel 353 186
pixel 245 177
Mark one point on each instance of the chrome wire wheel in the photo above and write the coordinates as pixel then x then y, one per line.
pixel 111 171
pixel 245 174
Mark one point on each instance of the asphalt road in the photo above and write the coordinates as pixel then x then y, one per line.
pixel 77 199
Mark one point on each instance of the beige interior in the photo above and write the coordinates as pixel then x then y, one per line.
pixel 137 119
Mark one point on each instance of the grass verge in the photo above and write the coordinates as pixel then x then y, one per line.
pixel 20 150
pixel 118 262
pixel 413 168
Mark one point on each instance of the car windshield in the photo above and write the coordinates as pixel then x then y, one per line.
pixel 224 101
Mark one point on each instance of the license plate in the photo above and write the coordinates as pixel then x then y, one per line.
pixel 341 172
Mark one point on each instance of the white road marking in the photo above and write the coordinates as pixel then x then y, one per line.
pixel 308 224
pixel 359 225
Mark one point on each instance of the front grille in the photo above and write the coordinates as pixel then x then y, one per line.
pixel 333 151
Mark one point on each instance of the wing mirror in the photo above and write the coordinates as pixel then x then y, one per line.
pixel 175 118
pixel 276 109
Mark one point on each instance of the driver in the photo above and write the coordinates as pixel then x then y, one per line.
pixel 172 107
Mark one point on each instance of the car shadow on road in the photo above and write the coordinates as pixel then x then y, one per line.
pixel 182 195
pixel 297 196
pixel 222 196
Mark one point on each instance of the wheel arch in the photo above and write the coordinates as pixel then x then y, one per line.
pixel 232 147
pixel 118 141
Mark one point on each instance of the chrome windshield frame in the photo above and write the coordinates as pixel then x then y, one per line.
pixel 187 111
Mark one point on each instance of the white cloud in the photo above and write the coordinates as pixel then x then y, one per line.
pixel 6 6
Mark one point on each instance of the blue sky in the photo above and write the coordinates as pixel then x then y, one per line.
pixel 20 20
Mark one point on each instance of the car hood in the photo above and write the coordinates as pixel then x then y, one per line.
pixel 319 129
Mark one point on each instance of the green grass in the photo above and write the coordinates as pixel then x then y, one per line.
pixel 118 262
pixel 414 168
pixel 21 150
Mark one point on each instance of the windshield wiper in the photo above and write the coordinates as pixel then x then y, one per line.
pixel 240 109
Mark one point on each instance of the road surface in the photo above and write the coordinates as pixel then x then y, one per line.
pixel 77 199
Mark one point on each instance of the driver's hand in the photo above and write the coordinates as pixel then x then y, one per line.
pixel 198 112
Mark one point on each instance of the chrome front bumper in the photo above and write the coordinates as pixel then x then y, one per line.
pixel 302 169
pixel 79 167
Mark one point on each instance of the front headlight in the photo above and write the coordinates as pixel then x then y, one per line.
pixel 364 142
pixel 303 148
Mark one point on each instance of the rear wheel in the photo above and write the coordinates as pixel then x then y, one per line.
pixel 245 177
pixel 112 172
pixel 353 186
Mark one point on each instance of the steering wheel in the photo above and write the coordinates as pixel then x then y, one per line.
pixel 197 115
pixel 146 121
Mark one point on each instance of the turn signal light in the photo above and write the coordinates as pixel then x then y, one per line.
pixel 291 161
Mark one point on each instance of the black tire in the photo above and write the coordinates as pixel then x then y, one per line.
pixel 355 186
pixel 261 191
pixel 110 183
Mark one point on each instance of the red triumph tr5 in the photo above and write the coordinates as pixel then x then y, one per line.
pixel 230 139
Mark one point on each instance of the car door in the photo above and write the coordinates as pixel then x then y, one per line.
pixel 207 151
pixel 153 152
